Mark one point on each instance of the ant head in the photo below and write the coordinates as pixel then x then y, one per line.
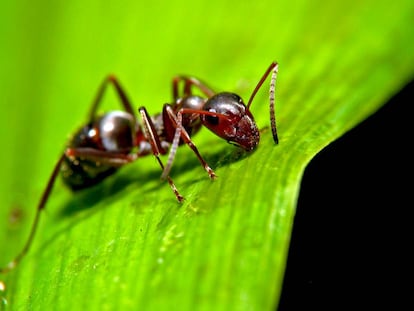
pixel 230 119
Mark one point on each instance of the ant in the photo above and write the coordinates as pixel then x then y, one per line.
pixel 114 139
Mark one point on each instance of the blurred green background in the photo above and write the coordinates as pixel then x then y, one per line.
pixel 339 62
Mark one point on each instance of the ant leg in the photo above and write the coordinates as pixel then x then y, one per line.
pixel 157 149
pixel 126 104
pixel 181 132
pixel 188 83
pixel 273 68
pixel 12 264
pixel 100 156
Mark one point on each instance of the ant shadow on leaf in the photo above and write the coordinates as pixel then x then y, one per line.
pixel 130 178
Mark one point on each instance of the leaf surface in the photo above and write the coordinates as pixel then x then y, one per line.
pixel 126 243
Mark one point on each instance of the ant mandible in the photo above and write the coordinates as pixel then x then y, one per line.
pixel 114 139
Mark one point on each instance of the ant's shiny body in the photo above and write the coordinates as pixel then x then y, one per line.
pixel 114 139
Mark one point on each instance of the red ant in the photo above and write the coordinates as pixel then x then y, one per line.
pixel 114 139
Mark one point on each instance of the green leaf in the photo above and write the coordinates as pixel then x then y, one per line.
pixel 126 243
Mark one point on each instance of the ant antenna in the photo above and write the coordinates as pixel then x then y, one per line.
pixel 274 69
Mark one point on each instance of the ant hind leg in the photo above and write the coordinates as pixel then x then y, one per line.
pixel 126 104
pixel 42 203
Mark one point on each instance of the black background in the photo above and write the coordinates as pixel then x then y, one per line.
pixel 349 239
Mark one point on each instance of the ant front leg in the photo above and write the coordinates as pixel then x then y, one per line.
pixel 157 149
pixel 180 132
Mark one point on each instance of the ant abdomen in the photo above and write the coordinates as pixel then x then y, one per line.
pixel 116 131
pixel 83 174
pixel 112 132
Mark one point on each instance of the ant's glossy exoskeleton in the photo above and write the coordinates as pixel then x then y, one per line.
pixel 114 139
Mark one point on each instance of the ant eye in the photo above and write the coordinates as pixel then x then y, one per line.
pixel 213 120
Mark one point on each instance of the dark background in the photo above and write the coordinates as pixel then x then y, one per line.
pixel 348 245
